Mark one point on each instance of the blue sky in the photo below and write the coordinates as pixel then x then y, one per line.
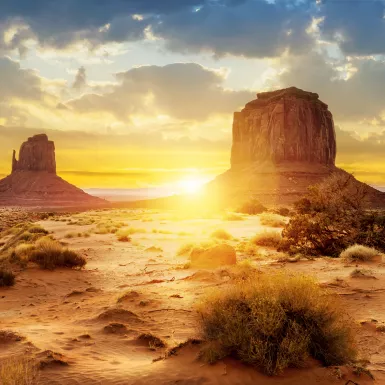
pixel 143 77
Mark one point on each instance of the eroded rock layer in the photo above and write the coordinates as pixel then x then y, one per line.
pixel 283 142
pixel 288 125
pixel 36 154
pixel 33 181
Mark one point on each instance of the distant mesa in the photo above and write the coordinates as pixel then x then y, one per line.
pixel 283 142
pixel 33 181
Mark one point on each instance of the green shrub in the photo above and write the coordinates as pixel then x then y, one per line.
pixel 332 217
pixel 275 321
pixel 7 278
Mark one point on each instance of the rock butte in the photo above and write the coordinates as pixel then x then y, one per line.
pixel 283 142
pixel 33 181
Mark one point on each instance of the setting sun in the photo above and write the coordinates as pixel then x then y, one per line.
pixel 191 186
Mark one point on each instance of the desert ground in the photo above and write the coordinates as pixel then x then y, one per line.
pixel 129 316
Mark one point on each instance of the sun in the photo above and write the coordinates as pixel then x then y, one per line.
pixel 191 186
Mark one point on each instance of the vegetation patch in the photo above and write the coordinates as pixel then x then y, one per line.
pixel 18 371
pixel 359 253
pixel 221 234
pixel 272 220
pixel 267 238
pixel 49 254
pixel 332 217
pixel 7 278
pixel 275 321
pixel 251 207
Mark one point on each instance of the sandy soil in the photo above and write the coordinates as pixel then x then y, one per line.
pixel 67 311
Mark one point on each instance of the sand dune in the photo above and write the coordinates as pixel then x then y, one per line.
pixel 85 326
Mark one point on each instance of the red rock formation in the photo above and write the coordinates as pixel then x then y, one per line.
pixel 36 154
pixel 283 142
pixel 33 181
pixel 287 125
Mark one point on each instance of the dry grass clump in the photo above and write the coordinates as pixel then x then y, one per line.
pixel 123 235
pixel 267 238
pixel 275 321
pixel 251 207
pixel 233 217
pixel 362 273
pixel 272 220
pixel 221 234
pixel 251 250
pixel 18 371
pixel 36 229
pixel 186 248
pixel 7 278
pixel 49 254
pixel 359 253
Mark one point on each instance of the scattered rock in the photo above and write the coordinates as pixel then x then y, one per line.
pixel 152 341
pixel 7 336
pixel 115 328
pixel 119 315
pixel 154 249
pixel 50 358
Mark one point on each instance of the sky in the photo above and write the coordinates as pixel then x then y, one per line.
pixel 141 93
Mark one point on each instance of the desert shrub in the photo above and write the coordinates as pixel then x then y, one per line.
pixel 272 220
pixel 284 211
pixel 7 278
pixel 26 236
pixel 70 235
pixel 221 234
pixel 274 322
pixel 35 229
pixel 267 238
pixel 49 254
pixel 185 249
pixel 251 207
pixel 232 217
pixel 123 235
pixel 18 371
pixel 250 250
pixel 362 273
pixel 359 253
pixel 21 254
pixel 332 217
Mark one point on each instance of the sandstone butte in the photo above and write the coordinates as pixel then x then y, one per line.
pixel 283 142
pixel 34 182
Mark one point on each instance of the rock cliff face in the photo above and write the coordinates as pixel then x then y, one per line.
pixel 283 142
pixel 36 154
pixel 33 181
pixel 288 125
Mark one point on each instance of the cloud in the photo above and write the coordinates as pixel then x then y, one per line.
pixel 80 81
pixel 353 89
pixel 59 23
pixel 358 26
pixel 251 28
pixel 20 84
pixel 180 90
pixel 243 28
